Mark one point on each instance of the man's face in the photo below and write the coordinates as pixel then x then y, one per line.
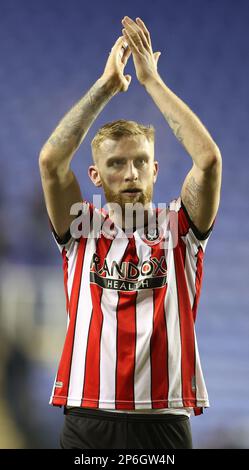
pixel 126 170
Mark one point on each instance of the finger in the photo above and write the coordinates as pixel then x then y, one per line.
pixel 122 47
pixel 124 52
pixel 156 56
pixel 145 30
pixel 117 44
pixel 137 31
pixel 131 42
pixel 119 49
pixel 128 78
pixel 126 55
pixel 135 37
pixel 145 41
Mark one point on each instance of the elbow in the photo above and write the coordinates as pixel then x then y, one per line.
pixel 50 168
pixel 49 165
pixel 217 155
pixel 216 160
pixel 213 160
pixel 46 162
pixel 213 164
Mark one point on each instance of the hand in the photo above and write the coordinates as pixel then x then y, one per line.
pixel 139 42
pixel 114 69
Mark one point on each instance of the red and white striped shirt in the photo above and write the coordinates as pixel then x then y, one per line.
pixel 131 308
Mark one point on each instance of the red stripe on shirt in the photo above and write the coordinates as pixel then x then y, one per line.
pixel 159 342
pixel 126 339
pixel 65 271
pixel 186 326
pixel 91 387
pixel 198 279
pixel 66 358
pixel 183 222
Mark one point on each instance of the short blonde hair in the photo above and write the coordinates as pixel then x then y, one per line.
pixel 120 128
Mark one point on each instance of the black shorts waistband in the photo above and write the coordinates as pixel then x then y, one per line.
pixel 112 415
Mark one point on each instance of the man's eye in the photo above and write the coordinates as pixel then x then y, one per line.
pixel 140 161
pixel 117 163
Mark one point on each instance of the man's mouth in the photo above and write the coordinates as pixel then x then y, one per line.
pixel 131 191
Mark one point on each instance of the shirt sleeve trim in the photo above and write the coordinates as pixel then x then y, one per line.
pixel 64 238
pixel 197 233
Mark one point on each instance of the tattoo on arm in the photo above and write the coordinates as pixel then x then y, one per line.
pixel 75 124
pixel 191 196
pixel 65 133
pixel 175 126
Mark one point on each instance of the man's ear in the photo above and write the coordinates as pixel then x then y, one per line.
pixel 94 175
pixel 156 169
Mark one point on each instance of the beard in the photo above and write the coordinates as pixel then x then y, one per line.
pixel 143 197
pixel 139 216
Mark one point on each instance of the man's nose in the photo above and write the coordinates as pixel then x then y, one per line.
pixel 131 172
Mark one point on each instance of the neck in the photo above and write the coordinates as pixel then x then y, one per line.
pixel 131 220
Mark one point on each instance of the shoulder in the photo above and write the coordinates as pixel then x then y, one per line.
pixel 185 221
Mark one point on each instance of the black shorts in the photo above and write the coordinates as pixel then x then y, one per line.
pixel 97 429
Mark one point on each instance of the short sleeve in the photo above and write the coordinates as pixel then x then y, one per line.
pixel 65 242
pixel 199 236
pixel 187 229
pixel 81 227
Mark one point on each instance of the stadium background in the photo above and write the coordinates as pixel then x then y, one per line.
pixel 52 52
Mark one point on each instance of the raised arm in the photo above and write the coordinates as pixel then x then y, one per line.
pixel 60 186
pixel 200 192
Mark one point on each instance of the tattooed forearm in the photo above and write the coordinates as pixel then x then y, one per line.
pixel 68 131
pixel 192 192
pixel 72 129
pixel 187 127
pixel 175 126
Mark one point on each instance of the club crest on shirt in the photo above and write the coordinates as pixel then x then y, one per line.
pixel 152 236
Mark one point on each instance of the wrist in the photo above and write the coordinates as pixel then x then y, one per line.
pixel 152 80
pixel 110 83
